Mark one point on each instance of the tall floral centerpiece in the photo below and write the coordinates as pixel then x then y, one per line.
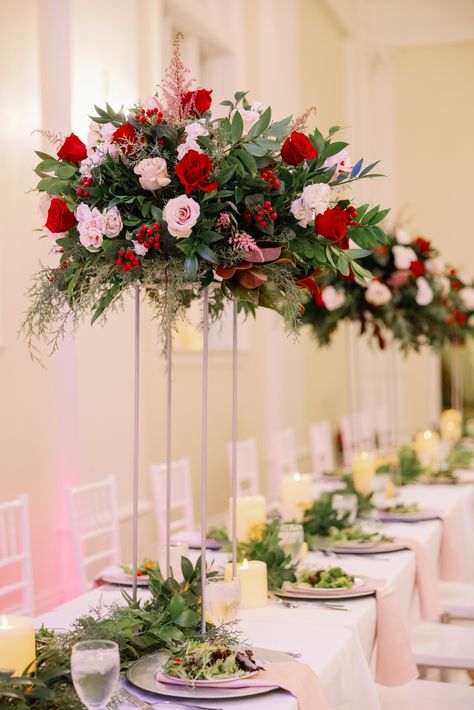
pixel 170 197
pixel 413 298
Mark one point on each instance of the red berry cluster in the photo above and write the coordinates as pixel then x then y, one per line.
pixel 457 318
pixel 143 115
pixel 352 214
pixel 265 213
pixel 269 176
pixel 148 236
pixel 85 182
pixel 127 260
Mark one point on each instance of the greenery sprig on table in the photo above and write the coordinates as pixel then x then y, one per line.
pixel 264 545
pixel 170 617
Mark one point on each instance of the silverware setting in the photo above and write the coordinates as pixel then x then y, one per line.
pixel 334 606
pixel 125 696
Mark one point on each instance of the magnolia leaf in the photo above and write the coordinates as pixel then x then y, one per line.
pixel 261 125
pixel 237 127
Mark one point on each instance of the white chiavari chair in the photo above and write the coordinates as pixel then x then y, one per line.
pixel 348 440
pixel 383 429
pixel 322 452
pixel 15 557
pixel 426 694
pixel 182 508
pixel 94 527
pixel 283 455
pixel 357 434
pixel 248 480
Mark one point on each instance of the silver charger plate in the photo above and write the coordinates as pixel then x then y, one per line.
pixel 350 594
pixel 361 548
pixel 142 675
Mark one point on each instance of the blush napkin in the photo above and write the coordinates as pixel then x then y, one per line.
pixel 450 557
pixel 296 678
pixel 430 607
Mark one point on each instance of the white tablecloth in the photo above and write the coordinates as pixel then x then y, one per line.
pixel 337 645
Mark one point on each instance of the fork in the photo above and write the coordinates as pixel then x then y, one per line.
pixel 124 694
pixel 298 605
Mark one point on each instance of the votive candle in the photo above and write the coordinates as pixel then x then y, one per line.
pixel 427 449
pixel 363 472
pixel 296 495
pixel 451 425
pixel 252 575
pixel 251 513
pixel 17 643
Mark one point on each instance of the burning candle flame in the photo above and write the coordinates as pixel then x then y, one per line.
pixel 245 564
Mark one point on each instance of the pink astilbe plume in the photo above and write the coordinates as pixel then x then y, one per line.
pixel 174 87
pixel 241 241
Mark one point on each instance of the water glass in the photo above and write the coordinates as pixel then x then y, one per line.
pixel 343 503
pixel 223 600
pixel 291 539
pixel 95 667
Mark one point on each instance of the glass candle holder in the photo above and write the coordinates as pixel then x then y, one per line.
pixel 223 600
pixel 291 539
pixel 345 503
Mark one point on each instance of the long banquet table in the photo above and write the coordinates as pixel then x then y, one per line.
pixel 338 645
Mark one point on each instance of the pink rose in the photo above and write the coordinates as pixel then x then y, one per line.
pixel 181 214
pixel 399 278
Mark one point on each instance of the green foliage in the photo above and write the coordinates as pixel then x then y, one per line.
pixel 410 466
pixel 459 457
pixel 321 517
pixel 171 616
pixel 265 546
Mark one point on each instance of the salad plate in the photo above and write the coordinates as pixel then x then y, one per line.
pixel 142 674
pixel 406 513
pixel 117 575
pixel 192 538
pixel 354 540
pixel 326 583
pixel 290 592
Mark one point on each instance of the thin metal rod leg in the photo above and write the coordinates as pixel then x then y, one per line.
pixel 234 439
pixel 205 354
pixel 169 391
pixel 136 430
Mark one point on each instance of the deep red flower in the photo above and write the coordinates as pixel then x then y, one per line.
pixel 456 284
pixel 309 283
pixel 296 148
pixel 60 218
pixel 126 137
pixel 193 171
pixel 197 102
pixel 73 149
pixel 457 317
pixel 417 268
pixel 332 224
pixel 422 244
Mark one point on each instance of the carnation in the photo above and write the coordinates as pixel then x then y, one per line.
pixel 316 197
pixel 378 294
pixel 91 227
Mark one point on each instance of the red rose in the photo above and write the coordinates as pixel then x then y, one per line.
pixel 197 102
pixel 60 218
pixel 73 150
pixel 457 317
pixel 422 244
pixel 297 148
pixel 126 137
pixel 193 171
pixel 417 268
pixel 332 224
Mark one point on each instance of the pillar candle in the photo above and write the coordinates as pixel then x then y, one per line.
pixel 427 449
pixel 296 495
pixel 251 512
pixel 252 575
pixel 451 425
pixel 363 472
pixel 17 643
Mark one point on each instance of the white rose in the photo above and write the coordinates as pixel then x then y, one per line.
pixel 435 265
pixel 113 223
pixel 195 129
pixel 153 173
pixel 181 214
pixel 332 298
pixel 377 294
pixel 403 257
pixel 316 197
pixel 301 212
pixel 139 249
pixel 189 144
pixel 466 294
pixel 403 236
pixel 424 295
pixel 444 284
pixel 249 117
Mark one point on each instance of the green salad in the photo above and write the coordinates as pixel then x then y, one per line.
pixel 331 578
pixel 219 534
pixel 401 508
pixel 356 535
pixel 197 660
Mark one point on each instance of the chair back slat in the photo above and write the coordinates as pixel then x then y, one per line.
pixel 15 556
pixel 93 519
pixel 322 452
pixel 283 454
pixel 182 507
pixel 248 479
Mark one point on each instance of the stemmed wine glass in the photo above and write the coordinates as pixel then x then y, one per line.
pixel 345 503
pixel 95 667
pixel 291 539
pixel 223 600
